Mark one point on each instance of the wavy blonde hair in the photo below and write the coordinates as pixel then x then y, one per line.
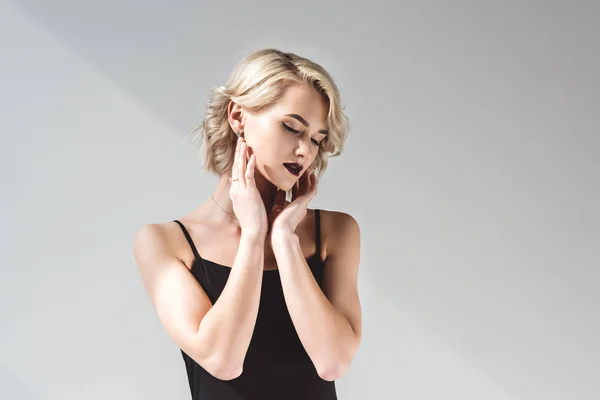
pixel 257 82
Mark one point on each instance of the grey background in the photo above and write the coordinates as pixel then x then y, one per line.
pixel 472 168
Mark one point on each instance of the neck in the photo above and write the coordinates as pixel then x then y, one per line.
pixel 266 189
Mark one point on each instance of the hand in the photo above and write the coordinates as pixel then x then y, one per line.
pixel 248 205
pixel 287 217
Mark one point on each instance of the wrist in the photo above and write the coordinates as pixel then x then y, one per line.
pixel 253 236
pixel 282 235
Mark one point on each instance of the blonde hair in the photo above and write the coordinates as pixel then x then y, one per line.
pixel 257 82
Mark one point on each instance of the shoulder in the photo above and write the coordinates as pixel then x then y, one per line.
pixel 150 237
pixel 339 217
pixel 153 232
pixel 340 230
pixel 339 221
pixel 148 233
pixel 154 239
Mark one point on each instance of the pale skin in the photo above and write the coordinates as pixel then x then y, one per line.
pixel 328 321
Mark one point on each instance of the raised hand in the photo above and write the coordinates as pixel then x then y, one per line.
pixel 287 217
pixel 248 205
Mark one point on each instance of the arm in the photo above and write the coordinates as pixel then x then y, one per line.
pixel 215 336
pixel 328 321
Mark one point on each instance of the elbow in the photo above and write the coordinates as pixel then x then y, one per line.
pixel 227 373
pixel 222 368
pixel 333 371
pixel 333 368
pixel 336 367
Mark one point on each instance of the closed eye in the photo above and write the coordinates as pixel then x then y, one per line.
pixel 295 132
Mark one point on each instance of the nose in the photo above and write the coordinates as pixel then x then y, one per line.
pixel 304 148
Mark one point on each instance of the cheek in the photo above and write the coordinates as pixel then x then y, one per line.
pixel 263 147
pixel 266 141
pixel 254 148
pixel 250 149
pixel 261 154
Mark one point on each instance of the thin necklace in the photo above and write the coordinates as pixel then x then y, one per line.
pixel 212 196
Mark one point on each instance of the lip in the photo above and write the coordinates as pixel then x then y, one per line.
pixel 293 168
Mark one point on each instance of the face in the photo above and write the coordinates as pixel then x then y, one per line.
pixel 286 133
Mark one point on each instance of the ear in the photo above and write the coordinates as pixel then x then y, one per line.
pixel 235 116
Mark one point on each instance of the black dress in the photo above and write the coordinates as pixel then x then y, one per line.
pixel 276 364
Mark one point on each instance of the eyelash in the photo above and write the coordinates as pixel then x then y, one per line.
pixel 297 132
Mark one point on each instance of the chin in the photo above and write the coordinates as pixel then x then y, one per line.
pixel 286 187
pixel 288 184
pixel 284 183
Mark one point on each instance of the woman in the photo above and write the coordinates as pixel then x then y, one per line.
pixel 260 294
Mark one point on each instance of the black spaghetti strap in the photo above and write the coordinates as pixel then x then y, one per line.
pixel 318 231
pixel 189 239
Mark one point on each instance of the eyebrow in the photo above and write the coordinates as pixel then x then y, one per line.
pixel 305 122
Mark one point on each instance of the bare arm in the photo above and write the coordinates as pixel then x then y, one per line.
pixel 328 321
pixel 215 336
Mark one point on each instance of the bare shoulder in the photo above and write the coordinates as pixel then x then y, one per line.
pixel 157 240
pixel 148 234
pixel 151 240
pixel 152 233
pixel 339 222
pixel 339 217
pixel 340 230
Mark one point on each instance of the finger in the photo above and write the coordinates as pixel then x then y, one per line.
pixel 238 170
pixel 307 185
pixel 303 185
pixel 235 168
pixel 250 171
pixel 295 190
pixel 242 174
pixel 279 201
pixel 314 183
